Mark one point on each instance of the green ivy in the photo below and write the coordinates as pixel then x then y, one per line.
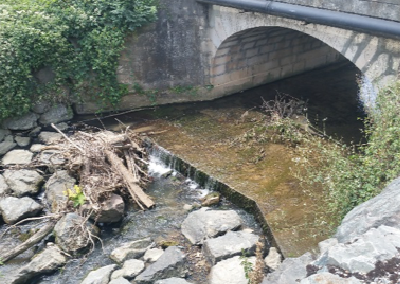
pixel 80 40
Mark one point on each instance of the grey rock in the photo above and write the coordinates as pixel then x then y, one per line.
pixel 4 188
pixel 62 126
pixel 291 271
pixel 4 133
pixel 153 254
pixel 134 249
pixel 22 141
pixel 384 209
pixel 47 137
pixel 51 158
pixel 100 276
pixel 41 107
pixel 24 122
pixel 15 209
pixel 46 262
pixel 7 145
pixel 326 244
pixel 35 132
pixel 119 281
pixel 230 271
pixel 172 280
pixel 23 182
pixel 274 259
pixel 362 254
pixel 170 264
pixel 229 245
pixel 17 157
pixel 57 183
pixel 112 210
pixel 71 233
pixel 206 223
pixel 45 75
pixel 130 269
pixel 35 148
pixel 57 113
pixel 327 278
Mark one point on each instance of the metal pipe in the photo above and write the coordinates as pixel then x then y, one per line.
pixel 356 22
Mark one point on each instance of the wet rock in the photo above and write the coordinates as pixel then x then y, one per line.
pixel 172 280
pixel 51 158
pixel 17 157
pixel 170 264
pixel 57 183
pixel 15 209
pixel 134 249
pixel 211 199
pixel 46 262
pixel 22 141
pixel 292 270
pixel 4 133
pixel 153 254
pixel 7 144
pixel 327 278
pixel 35 132
pixel 361 255
pixel 23 182
pixel 25 122
pixel 71 233
pixel 112 210
pixel 206 223
pixel 384 209
pixel 100 276
pixel 230 271
pixel 35 148
pixel 4 188
pixel 130 269
pixel 49 137
pixel 274 259
pixel 57 113
pixel 229 245
pixel 119 281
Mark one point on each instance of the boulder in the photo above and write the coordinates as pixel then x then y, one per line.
pixel 71 233
pixel 23 182
pixel 24 122
pixel 47 137
pixel 206 223
pixel 23 141
pixel 17 157
pixel 4 188
pixel 172 280
pixel 15 209
pixel 292 270
pixel 170 264
pixel 7 144
pixel 361 255
pixel 4 133
pixel 112 210
pixel 211 199
pixel 229 245
pixel 327 278
pixel 44 263
pixel 130 269
pixel 326 244
pixel 384 209
pixel 100 276
pixel 57 113
pixel 57 183
pixel 120 280
pixel 134 249
pixel 230 271
pixel 153 254
pixel 273 260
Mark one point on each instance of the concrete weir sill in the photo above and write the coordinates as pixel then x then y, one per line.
pixel 203 179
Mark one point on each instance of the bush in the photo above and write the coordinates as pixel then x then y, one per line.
pixel 80 40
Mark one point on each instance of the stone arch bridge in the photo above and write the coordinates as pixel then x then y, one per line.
pixel 220 47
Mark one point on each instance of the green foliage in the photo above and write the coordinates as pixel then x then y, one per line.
pixel 80 40
pixel 247 265
pixel 76 195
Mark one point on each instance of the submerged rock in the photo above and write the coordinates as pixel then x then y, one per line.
pixel 230 271
pixel 15 209
pixel 23 182
pixel 46 262
pixel 100 276
pixel 170 264
pixel 229 245
pixel 206 223
pixel 134 249
pixel 17 157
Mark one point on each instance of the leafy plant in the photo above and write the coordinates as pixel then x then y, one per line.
pixel 76 195
pixel 247 265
